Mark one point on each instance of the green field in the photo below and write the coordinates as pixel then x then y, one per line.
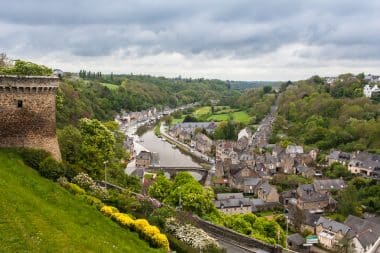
pixel 239 116
pixel 176 121
pixel 110 86
pixel 37 215
pixel 201 111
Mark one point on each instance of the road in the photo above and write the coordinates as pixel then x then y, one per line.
pixel 261 137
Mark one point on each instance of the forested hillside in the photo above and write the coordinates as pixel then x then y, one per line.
pixel 326 116
pixel 80 98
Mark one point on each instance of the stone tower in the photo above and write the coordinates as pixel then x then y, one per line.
pixel 27 113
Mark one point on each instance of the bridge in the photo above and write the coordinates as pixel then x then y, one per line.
pixel 173 170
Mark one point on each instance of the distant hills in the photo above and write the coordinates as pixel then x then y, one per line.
pixel 244 85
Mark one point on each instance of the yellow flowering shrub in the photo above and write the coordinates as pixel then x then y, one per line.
pixel 150 231
pixel 109 210
pixel 140 224
pixel 146 231
pixel 123 219
pixel 160 241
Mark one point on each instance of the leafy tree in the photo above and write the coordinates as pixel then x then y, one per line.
pixel 338 170
pixel 70 140
pixel 97 146
pixel 161 188
pixel 25 69
pixel 190 118
pixel 348 201
pixel 267 89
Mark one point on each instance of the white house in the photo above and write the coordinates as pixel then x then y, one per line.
pixel 368 90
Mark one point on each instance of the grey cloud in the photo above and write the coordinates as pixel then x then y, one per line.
pixel 240 29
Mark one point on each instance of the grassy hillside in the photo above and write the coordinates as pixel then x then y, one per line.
pixel 37 215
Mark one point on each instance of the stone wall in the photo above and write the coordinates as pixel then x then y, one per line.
pixel 234 237
pixel 27 113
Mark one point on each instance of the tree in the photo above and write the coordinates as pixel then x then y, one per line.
pixel 348 201
pixel 168 119
pixel 70 140
pixel 25 69
pixel 267 89
pixel 161 188
pixel 97 146
pixel 190 118
pixel 338 170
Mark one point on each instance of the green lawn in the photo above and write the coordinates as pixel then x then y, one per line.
pixel 37 215
pixel 239 116
pixel 176 121
pixel 201 111
pixel 110 86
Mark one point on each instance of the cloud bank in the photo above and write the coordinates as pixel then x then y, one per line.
pixel 240 40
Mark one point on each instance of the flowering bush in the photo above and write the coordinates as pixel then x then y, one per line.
pixel 83 180
pixel 146 231
pixel 190 235
pixel 109 210
pixel 161 241
pixel 123 219
pixel 99 192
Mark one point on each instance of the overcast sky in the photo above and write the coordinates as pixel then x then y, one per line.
pixel 235 39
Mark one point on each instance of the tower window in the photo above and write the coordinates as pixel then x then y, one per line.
pixel 19 103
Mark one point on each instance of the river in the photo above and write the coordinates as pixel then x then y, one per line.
pixel 169 156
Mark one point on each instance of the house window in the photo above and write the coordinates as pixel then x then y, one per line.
pixel 19 103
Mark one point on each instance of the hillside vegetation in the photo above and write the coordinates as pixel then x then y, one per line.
pixel 324 116
pixel 37 215
pixel 103 98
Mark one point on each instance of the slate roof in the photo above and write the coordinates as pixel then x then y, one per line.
pixel 296 239
pixel 266 188
pixel 232 203
pixel 339 155
pixel 144 155
pixel 306 192
pixel 365 231
pixel 332 225
pixel 366 160
pixel 221 196
pixel 293 149
pixel 252 181
pixel 329 184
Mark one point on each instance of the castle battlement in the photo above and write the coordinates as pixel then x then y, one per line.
pixel 27 112
pixel 28 84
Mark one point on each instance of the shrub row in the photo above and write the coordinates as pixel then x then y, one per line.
pixel 46 165
pixel 146 231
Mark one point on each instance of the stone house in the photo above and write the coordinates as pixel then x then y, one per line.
pixel 309 198
pixel 330 232
pixel 143 159
pixel 267 192
pixel 328 185
pixel 203 143
pixel 295 242
pixel 250 184
pixel 234 206
pixel 304 171
pixel 232 203
pixel 365 163
pixel 364 236
pixel 293 150
pixel 338 156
